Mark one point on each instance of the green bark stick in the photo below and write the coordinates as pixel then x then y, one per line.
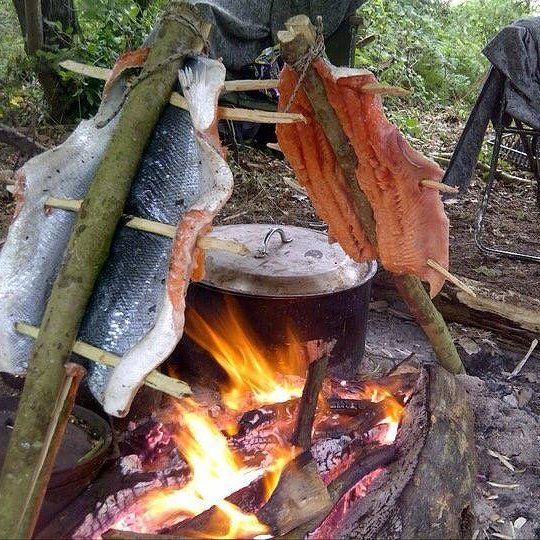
pixel 181 31
pixel 294 45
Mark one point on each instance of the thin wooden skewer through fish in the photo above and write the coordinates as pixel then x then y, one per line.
pixel 224 113
pixel 155 380
pixel 450 277
pixel 432 184
pixel 207 243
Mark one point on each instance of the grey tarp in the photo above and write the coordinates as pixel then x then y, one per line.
pixel 515 55
pixel 243 28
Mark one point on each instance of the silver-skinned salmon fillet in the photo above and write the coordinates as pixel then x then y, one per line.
pixel 136 310
pixel 203 166
pixel 38 236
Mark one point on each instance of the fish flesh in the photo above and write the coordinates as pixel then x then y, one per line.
pixel 137 307
pixel 411 225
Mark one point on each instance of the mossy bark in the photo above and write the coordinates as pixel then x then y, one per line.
pixel 86 253
pixel 295 46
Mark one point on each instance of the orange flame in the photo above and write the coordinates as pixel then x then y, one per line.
pixel 253 370
pixel 215 475
pixel 393 408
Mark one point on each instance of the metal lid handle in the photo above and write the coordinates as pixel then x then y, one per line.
pixel 260 253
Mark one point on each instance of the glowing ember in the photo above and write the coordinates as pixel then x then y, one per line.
pixel 252 369
pixel 255 379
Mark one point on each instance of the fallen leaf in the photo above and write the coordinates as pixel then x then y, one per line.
pixel 502 458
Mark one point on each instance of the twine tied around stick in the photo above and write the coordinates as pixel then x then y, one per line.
pixel 301 65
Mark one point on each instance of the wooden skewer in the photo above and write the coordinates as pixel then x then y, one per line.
pixel 241 85
pixel 245 115
pixel 209 243
pixel 155 380
pixel 384 89
pixel 248 85
pixel 450 277
pixel 225 113
pixel 432 184
pixel 274 146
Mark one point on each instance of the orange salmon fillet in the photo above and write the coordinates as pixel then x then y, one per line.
pixel 411 225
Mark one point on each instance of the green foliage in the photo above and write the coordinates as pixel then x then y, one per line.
pixel 107 28
pixel 434 47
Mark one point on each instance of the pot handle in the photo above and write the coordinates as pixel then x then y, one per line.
pixel 261 253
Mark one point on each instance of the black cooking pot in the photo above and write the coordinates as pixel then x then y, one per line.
pixel 293 278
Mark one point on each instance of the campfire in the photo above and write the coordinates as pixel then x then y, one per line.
pixel 225 463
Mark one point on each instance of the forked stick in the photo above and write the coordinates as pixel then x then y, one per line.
pixel 156 380
pixel 450 277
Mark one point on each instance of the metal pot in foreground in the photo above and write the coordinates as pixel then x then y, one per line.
pixel 293 282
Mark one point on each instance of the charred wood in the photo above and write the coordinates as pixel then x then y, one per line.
pixel 308 403
pixel 300 496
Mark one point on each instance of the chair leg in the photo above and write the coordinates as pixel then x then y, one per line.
pixel 479 222
pixel 478 226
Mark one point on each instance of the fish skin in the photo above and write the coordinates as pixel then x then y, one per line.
pixel 38 236
pixel 202 81
pixel 131 286
pixel 182 180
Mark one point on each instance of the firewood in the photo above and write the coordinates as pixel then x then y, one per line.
pixel 300 496
pixel 308 403
pixel 513 317
pixel 87 250
pixel 367 460
pixel 295 44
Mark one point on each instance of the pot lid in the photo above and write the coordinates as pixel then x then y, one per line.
pixel 283 261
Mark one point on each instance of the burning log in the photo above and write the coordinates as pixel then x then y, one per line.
pixel 300 496
pixel 308 403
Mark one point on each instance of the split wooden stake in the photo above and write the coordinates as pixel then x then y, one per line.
pixel 207 243
pixel 224 113
pixel 432 184
pixel 156 380
pixel 74 374
pixel 384 89
pixel 450 277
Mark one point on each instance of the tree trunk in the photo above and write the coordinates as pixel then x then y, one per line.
pixel 34 26
pixel 63 12
pixel 40 33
